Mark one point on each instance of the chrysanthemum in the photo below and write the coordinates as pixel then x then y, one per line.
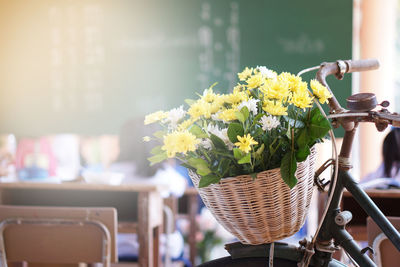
pixel 269 122
pixel 246 73
pixel 255 81
pixel 227 115
pixel 154 117
pixel 294 82
pixel 251 105
pixel 198 109
pixel 320 91
pixel 276 89
pixel 236 97
pixel 267 73
pixel 245 143
pixel 301 99
pixel 179 142
pixel 174 116
pixel 208 95
pixel 185 124
pixel 274 108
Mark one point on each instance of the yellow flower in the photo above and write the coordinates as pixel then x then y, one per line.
pixel 236 97
pixel 179 142
pixel 255 81
pixel 208 95
pixel 245 143
pixel 198 109
pixel 274 108
pixel 294 82
pixel 146 138
pixel 245 74
pixel 185 124
pixel 227 115
pixel 320 91
pixel 276 89
pixel 154 117
pixel 239 88
pixel 302 99
pixel 217 104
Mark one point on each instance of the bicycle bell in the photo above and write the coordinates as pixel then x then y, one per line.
pixel 362 102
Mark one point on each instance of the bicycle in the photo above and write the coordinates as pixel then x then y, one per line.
pixel 331 232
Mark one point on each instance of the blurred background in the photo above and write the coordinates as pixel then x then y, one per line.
pixel 77 76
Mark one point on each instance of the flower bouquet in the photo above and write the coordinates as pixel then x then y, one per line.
pixel 236 145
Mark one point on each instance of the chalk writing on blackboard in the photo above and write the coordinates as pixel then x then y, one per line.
pixel 216 60
pixel 73 89
pixel 302 44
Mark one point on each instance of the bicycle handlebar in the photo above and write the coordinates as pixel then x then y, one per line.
pixel 361 65
pixel 339 68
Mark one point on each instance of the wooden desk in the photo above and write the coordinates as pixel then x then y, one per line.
pixel 139 203
pixel 388 201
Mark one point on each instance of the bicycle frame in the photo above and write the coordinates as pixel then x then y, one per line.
pixel 331 230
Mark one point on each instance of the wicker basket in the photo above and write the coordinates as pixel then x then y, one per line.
pixel 262 210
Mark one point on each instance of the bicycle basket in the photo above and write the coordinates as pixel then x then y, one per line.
pixel 261 210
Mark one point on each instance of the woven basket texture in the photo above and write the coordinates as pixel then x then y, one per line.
pixel 261 210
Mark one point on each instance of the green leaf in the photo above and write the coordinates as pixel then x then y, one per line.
pixel 195 162
pixel 203 170
pixel 260 150
pixel 257 132
pixel 257 118
pixel 245 159
pixel 187 166
pixel 218 143
pixel 223 166
pixel 239 116
pixel 159 134
pixel 302 153
pixel 190 101
pixel 303 138
pixel 214 84
pixel 197 131
pixel 200 165
pixel 237 153
pixel 235 129
pixel 157 150
pixel 157 158
pixel 319 125
pixel 288 169
pixel 208 179
pixel 245 112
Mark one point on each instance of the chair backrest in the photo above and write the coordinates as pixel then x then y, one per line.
pixel 58 234
pixel 386 253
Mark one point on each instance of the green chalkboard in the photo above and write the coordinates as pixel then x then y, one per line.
pixel 87 66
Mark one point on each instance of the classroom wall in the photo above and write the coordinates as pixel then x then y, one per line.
pixel 88 66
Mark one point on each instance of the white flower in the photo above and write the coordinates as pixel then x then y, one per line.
pixel 222 134
pixel 269 122
pixel 174 116
pixel 267 73
pixel 251 105
pixel 225 138
pixel 206 143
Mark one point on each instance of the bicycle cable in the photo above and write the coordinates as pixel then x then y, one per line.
pixel 307 255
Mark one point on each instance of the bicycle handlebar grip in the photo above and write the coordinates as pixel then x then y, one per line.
pixel 361 65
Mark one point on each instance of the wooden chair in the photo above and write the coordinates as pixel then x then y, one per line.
pixel 61 235
pixel 385 253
